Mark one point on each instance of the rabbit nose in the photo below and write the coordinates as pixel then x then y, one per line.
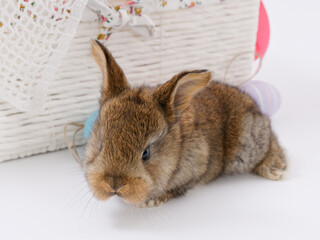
pixel 115 183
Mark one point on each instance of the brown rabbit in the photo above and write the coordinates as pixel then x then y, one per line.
pixel 151 144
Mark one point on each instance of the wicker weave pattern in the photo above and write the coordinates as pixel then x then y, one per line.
pixel 195 38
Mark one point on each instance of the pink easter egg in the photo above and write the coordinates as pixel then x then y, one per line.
pixel 266 96
pixel 263 34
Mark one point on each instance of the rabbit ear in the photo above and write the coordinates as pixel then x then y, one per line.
pixel 175 95
pixel 114 81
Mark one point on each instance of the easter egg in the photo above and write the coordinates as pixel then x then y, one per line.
pixel 263 34
pixel 89 124
pixel 266 96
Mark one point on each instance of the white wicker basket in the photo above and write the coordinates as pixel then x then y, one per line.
pixel 197 38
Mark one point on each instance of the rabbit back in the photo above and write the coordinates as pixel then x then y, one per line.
pixel 222 132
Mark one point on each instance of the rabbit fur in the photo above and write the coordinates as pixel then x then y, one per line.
pixel 195 130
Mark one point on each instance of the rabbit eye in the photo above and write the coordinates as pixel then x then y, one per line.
pixel 146 154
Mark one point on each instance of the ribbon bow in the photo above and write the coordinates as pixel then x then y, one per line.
pixel 115 18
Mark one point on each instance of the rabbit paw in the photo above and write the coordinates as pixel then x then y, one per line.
pixel 271 173
pixel 274 165
pixel 153 202
pixel 157 201
pixel 272 168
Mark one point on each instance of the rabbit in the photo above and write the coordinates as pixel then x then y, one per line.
pixel 152 144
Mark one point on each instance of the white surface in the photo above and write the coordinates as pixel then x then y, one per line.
pixel 45 197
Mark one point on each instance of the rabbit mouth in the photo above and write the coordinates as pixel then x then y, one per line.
pixel 135 191
pixel 131 190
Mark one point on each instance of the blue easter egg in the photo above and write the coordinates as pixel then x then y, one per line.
pixel 89 124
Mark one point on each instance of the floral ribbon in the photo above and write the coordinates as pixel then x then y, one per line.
pixel 134 14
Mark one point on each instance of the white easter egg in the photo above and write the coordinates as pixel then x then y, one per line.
pixel 266 95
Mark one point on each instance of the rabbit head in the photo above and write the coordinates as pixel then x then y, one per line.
pixel 135 143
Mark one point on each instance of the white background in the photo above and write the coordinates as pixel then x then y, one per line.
pixel 46 197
